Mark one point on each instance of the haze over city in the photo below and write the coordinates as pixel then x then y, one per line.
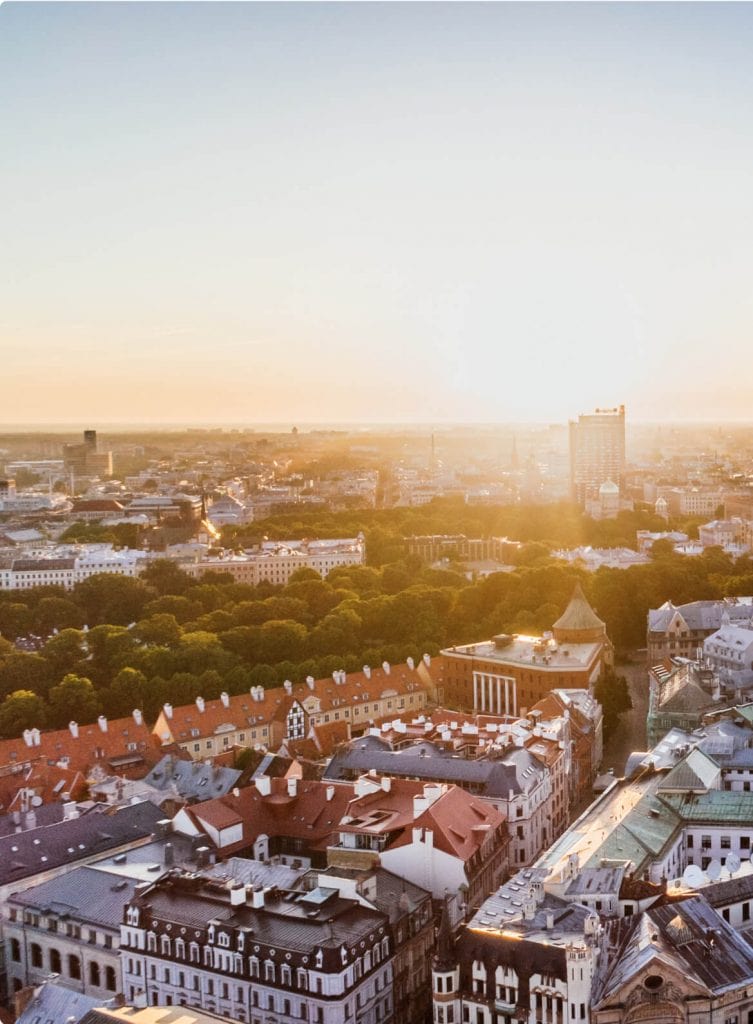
pixel 375 212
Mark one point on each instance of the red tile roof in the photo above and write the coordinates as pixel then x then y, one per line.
pixel 313 814
pixel 325 695
pixel 92 746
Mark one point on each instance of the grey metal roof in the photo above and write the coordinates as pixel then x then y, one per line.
pixel 54 1004
pixel 701 615
pixel 192 778
pixel 28 853
pixel 293 921
pixel 689 936
pixel 518 770
pixel 84 894
pixel 47 814
pixel 395 896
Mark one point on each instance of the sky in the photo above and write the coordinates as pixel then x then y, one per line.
pixel 375 212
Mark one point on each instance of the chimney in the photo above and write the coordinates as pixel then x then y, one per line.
pixel 411 664
pixel 225 698
pixel 367 671
pixel 310 682
pixel 263 785
pixel 36 737
pixel 169 855
pixel 386 783
pixel 427 660
pixel 164 827
pixel 529 908
pixel 386 667
pixel 30 819
pixel 549 921
pixel 288 686
pixel 200 705
pixel 330 792
pixel 102 723
pixel 168 709
pixel 292 787
pixel 257 897
pixel 28 740
pixel 138 716
pixel 70 810
pixel 73 726
pixel 237 894
pixel 202 857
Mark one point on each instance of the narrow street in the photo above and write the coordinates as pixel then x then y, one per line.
pixel 631 734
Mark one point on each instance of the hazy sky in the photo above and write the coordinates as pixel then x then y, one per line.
pixel 302 212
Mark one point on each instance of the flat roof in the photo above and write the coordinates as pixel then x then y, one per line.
pixel 545 654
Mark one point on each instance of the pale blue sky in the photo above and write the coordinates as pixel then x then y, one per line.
pixel 240 212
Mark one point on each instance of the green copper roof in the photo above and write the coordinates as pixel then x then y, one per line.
pixel 579 614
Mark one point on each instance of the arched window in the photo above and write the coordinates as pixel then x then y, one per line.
pixel 180 949
pixel 195 955
pixel 286 976
pixel 223 939
pixel 94 974
pixel 56 965
pixel 151 942
pixel 301 978
pixel 15 950
pixel 36 955
pixel 269 970
pixel 165 945
pixel 74 967
pixel 111 981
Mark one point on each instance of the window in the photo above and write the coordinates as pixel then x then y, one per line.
pixel 111 983
pixel 74 967
pixel 15 951
pixel 94 974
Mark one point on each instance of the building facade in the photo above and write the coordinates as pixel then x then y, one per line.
pixel 254 955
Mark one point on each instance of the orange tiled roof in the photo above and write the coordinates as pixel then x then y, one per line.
pixel 321 695
pixel 313 814
pixel 93 745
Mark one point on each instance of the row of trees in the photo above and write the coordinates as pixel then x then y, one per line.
pixel 115 643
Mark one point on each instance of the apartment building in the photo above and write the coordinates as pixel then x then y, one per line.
pixel 251 954
pixel 265 718
pixel 276 561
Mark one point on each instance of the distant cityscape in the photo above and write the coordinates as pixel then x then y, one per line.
pixel 262 809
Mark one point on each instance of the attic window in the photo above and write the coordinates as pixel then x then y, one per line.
pixel 653 982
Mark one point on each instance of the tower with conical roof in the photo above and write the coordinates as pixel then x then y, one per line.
pixel 579 623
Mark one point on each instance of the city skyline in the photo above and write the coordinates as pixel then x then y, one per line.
pixel 389 213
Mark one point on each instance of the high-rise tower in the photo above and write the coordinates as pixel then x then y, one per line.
pixel 597 452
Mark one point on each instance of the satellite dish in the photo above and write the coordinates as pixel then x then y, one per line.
pixel 732 863
pixel 36 801
pixel 714 869
pixel 693 877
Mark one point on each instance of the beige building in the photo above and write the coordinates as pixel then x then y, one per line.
pixel 264 718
